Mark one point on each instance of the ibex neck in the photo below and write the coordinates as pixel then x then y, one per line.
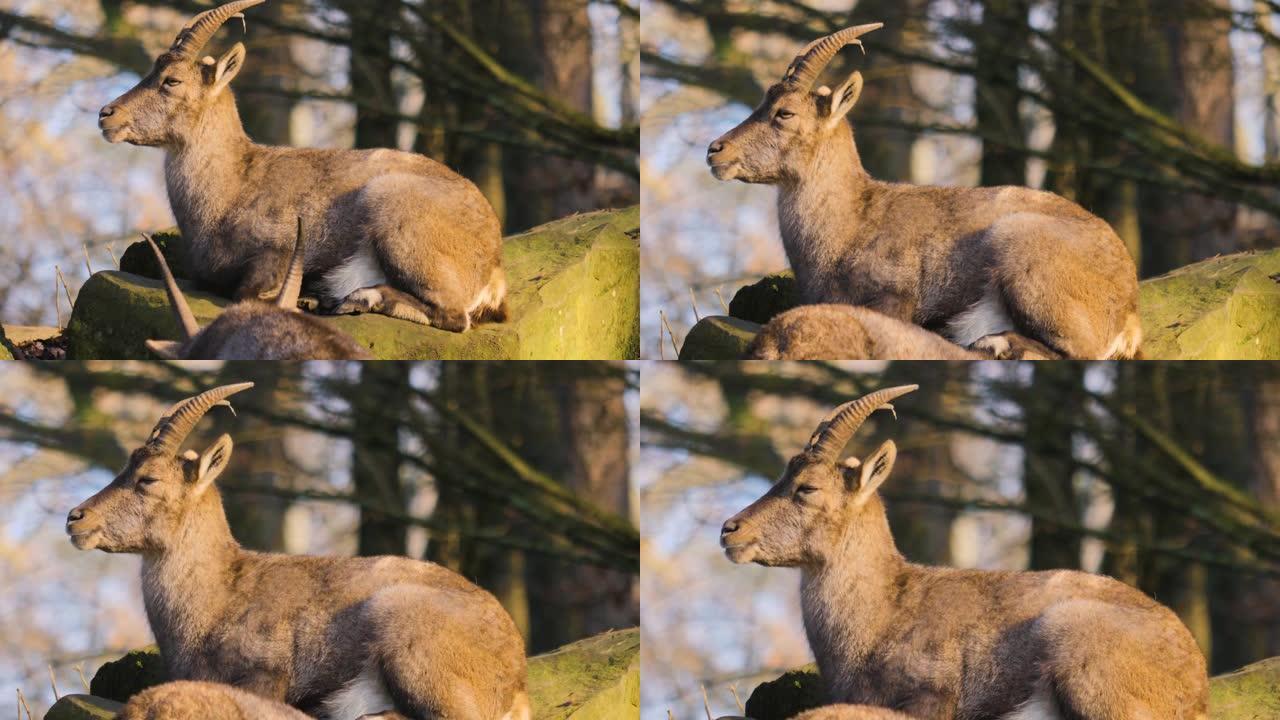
pixel 204 171
pixel 850 599
pixel 185 585
pixel 819 212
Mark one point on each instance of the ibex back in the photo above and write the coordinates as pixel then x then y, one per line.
pixel 337 638
pixel 968 262
pixel 394 232
pixel 937 643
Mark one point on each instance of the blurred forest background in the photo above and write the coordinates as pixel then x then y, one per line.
pixel 1166 476
pixel 533 101
pixel 1160 116
pixel 515 475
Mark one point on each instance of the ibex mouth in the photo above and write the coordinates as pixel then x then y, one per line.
pixel 739 554
pixel 114 135
pixel 84 540
pixel 724 171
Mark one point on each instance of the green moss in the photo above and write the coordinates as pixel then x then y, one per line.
pixel 6 347
pixel 1227 308
pixel 593 679
pixel 1249 693
pixel 574 293
pixel 120 679
pixel 83 707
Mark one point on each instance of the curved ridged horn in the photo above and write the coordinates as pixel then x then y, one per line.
pixel 839 425
pixel 195 34
pixel 813 59
pixel 186 319
pixel 178 422
pixel 292 287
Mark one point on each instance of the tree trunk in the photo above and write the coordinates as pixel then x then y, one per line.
pixel 1054 405
pixel 557 50
pixel 999 46
pixel 268 115
pixel 375 460
pixel 370 71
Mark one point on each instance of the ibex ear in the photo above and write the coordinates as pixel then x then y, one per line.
pixel 865 480
pixel 228 67
pixel 167 349
pixel 833 107
pixel 212 462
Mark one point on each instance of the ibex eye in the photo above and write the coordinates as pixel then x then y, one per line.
pixel 785 114
pixel 172 82
pixel 146 480
pixel 806 489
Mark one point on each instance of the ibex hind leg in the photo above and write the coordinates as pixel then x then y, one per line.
pixel 386 300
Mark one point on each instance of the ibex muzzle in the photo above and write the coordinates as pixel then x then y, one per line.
pixel 799 519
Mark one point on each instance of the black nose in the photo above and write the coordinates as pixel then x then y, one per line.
pixel 74 515
pixel 106 112
pixel 729 528
pixel 715 147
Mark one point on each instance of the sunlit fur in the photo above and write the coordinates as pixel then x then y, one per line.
pixel 938 642
pixel 299 629
pixel 434 236
pixel 185 700
pixel 926 255
pixel 852 712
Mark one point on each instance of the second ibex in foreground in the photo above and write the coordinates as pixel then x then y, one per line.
pixel 967 262
pixel 253 329
pixel 393 232
pixel 337 638
pixel 937 643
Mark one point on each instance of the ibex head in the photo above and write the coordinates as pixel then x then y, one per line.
pixel 170 101
pixel 142 508
pixel 800 519
pixel 779 141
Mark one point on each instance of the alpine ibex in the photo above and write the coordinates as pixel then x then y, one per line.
pixel 253 329
pixel 968 262
pixel 337 638
pixel 397 233
pixel 186 700
pixel 939 643
pixel 849 332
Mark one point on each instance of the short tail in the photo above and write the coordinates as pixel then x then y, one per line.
pixel 1128 344
pixel 491 304
pixel 519 708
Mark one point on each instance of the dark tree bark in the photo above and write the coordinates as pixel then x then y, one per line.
pixel 376 409
pixel 1000 43
pixel 1055 404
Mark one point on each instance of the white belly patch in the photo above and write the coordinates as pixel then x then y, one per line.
pixel 986 317
pixel 362 270
pixel 1040 706
pixel 365 694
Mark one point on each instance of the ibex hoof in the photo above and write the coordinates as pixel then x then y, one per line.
pixel 1012 346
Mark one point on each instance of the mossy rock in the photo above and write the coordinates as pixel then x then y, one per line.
pixel 121 679
pixel 718 338
pixel 597 678
pixel 83 707
pixel 1225 308
pixel 593 679
pixel 574 293
pixel 1250 693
